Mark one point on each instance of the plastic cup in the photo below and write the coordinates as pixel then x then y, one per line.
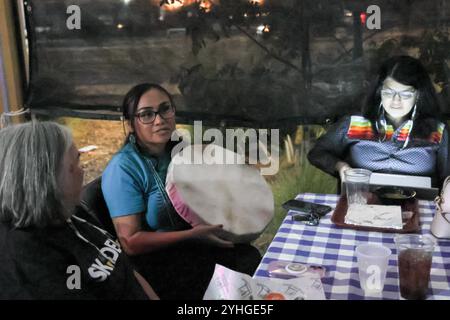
pixel 357 185
pixel 372 266
pixel 415 253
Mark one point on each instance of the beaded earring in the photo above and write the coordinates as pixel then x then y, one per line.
pixel 132 139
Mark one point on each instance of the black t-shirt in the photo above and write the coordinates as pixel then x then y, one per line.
pixel 74 261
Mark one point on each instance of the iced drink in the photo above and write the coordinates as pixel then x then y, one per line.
pixel 414 267
pixel 415 254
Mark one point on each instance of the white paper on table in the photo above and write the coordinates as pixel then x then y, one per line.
pixel 375 216
pixel 87 149
pixel 227 284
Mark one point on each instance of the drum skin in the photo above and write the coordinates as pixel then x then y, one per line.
pixel 214 191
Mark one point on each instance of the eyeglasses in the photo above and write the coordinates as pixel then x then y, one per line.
pixel 147 115
pixel 404 95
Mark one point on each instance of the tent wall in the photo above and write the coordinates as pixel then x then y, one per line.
pixel 11 79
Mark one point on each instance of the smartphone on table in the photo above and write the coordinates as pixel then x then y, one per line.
pixel 306 207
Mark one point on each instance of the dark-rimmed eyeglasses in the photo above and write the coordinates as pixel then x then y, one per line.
pixel 404 95
pixel 147 115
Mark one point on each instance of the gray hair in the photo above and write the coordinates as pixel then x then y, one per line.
pixel 31 157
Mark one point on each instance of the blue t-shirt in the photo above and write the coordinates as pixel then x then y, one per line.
pixel 130 188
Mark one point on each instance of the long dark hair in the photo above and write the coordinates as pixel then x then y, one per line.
pixel 408 71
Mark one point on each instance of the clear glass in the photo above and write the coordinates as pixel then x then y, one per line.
pixel 357 185
pixel 415 253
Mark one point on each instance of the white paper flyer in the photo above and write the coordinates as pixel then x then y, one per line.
pixel 227 284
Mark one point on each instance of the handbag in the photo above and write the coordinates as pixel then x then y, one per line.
pixel 440 227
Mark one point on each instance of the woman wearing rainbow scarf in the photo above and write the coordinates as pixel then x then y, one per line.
pixel 399 131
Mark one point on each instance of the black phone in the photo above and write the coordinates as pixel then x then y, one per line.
pixel 307 207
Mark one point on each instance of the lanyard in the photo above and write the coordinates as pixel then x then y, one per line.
pixel 159 183
pixel 79 235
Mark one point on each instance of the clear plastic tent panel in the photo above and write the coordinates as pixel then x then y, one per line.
pixel 234 62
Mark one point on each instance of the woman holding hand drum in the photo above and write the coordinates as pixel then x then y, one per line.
pixel 177 258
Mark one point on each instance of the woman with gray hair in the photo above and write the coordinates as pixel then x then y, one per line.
pixel 47 252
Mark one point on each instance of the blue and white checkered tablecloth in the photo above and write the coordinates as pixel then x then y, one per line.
pixel 334 248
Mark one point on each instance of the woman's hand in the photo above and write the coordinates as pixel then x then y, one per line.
pixel 341 166
pixel 208 233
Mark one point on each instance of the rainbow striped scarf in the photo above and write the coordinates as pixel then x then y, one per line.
pixel 361 128
pixel 436 136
